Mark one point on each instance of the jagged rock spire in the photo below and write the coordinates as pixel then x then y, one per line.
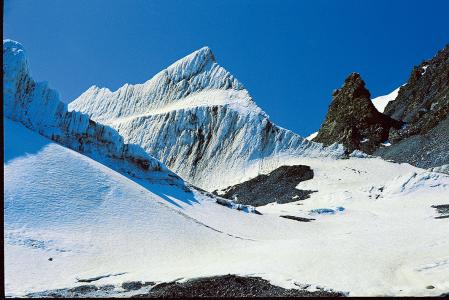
pixel 352 119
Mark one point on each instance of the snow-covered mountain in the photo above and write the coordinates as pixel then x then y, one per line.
pixel 38 107
pixel 82 208
pixel 199 120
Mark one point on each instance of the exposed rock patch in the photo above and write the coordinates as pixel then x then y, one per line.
pixel 422 150
pixel 278 186
pixel 352 119
pixel 300 219
pixel 216 286
pixel 230 286
pixel 443 211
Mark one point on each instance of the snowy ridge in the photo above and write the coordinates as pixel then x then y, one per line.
pixel 38 107
pixel 198 120
pixel 195 72
pixel 381 102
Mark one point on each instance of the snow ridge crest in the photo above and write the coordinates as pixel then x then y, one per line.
pixel 192 75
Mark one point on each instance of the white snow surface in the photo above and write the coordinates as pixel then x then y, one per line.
pixel 94 222
pixel 381 102
pixel 197 119
pixel 312 136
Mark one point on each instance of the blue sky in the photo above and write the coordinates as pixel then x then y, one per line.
pixel 289 54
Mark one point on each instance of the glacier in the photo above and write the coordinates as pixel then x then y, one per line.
pixel 198 120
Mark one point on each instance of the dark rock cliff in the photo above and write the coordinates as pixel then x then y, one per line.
pixel 352 119
pixel 424 101
pixel 423 105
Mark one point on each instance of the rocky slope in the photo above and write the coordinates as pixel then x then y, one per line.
pixel 198 119
pixel 424 101
pixel 423 105
pixel 352 119
pixel 414 126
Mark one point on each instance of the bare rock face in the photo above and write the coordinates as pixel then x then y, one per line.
pixel 352 119
pixel 423 105
pixel 423 102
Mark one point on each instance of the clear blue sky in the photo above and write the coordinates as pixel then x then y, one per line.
pixel 289 54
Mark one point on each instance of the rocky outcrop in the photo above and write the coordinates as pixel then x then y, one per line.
pixel 423 102
pixel 423 105
pixel 231 286
pixel 427 150
pixel 277 186
pixel 352 119
pixel 215 286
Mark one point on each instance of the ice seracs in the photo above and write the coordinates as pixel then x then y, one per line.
pixel 38 107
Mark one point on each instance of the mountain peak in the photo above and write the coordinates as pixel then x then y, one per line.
pixel 11 44
pixel 14 59
pixel 191 64
pixel 354 86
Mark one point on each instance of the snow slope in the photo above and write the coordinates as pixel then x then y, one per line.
pixel 94 222
pixel 381 102
pixel 38 107
pixel 197 119
pixel 89 219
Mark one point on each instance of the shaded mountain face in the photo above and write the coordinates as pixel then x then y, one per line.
pixel 423 105
pixel 352 119
pixel 198 120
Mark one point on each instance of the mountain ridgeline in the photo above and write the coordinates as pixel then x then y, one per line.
pixel 423 105
pixel 38 107
pixel 199 120
pixel 413 128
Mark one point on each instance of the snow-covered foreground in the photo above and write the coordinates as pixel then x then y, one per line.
pixel 382 239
